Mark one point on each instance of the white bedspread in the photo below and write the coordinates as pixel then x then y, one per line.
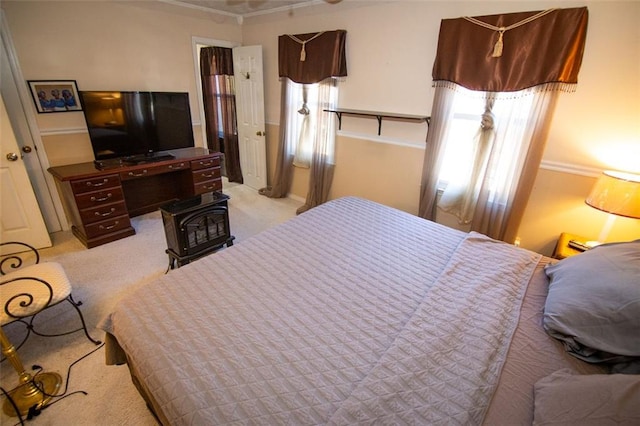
pixel 351 312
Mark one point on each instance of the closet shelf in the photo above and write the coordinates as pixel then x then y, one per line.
pixel 378 115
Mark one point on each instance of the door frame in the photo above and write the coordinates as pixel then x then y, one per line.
pixel 46 190
pixel 196 42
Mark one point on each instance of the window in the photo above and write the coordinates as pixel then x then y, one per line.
pixel 224 89
pixel 511 116
pixel 306 119
pixel 472 165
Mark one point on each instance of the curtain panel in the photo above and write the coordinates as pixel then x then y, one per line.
pixel 218 92
pixel 312 57
pixel 216 60
pixel 322 162
pixel 281 181
pixel 512 52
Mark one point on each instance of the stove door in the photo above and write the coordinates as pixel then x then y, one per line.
pixel 203 229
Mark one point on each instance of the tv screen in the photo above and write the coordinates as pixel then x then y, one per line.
pixel 133 124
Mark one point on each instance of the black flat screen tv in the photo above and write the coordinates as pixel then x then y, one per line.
pixel 137 126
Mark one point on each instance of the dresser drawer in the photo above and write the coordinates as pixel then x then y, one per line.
pixel 152 170
pixel 107 211
pixel 205 163
pixel 107 226
pixel 93 184
pixel 204 175
pixel 208 186
pixel 99 198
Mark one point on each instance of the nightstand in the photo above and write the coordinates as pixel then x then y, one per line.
pixel 563 249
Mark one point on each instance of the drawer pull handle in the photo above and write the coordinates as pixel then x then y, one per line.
pixel 206 175
pixel 144 172
pixel 206 163
pixel 109 195
pixel 108 228
pixel 96 184
pixel 109 213
pixel 177 166
pixel 209 187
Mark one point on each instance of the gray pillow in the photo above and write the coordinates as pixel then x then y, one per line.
pixel 593 305
pixel 587 400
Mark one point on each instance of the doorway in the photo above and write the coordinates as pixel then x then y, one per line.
pixel 249 98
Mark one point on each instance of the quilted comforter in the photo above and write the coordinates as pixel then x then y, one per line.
pixel 352 312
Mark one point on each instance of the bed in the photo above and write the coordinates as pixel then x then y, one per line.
pixel 352 312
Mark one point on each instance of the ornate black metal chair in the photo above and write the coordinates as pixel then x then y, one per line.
pixel 27 287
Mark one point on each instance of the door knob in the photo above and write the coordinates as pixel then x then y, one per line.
pixel 259 133
pixel 12 156
pixel 26 149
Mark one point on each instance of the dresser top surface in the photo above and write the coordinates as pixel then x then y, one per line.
pixel 89 169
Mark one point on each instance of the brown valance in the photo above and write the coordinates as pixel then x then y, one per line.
pixel 312 57
pixel 536 50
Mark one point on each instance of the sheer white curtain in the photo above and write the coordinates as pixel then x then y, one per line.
pixel 489 180
pixel 306 123
pixel 322 142
pixel 311 126
pixel 522 125
pixel 325 144
pixel 439 126
pixel 462 187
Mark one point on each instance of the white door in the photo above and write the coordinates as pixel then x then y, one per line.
pixel 247 68
pixel 19 107
pixel 20 215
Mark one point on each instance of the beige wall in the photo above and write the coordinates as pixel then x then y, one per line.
pixel 108 46
pixel 557 205
pixel 390 52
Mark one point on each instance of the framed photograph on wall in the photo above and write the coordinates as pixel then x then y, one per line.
pixel 55 95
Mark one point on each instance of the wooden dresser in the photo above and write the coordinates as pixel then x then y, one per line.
pixel 99 202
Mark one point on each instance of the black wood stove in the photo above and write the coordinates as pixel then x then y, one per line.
pixel 196 226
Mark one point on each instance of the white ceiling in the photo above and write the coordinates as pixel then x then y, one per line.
pixel 245 8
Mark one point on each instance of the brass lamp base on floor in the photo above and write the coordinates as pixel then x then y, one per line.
pixel 35 393
pixel 32 392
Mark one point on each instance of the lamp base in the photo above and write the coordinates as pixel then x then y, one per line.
pixel 32 394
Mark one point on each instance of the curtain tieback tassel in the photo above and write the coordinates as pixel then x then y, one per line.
pixel 497 48
pixel 303 53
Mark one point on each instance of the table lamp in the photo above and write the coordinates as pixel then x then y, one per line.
pixel 617 193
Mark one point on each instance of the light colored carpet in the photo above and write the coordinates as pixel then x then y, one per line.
pixel 100 276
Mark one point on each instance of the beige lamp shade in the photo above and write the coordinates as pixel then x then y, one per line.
pixel 617 193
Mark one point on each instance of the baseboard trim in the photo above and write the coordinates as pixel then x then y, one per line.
pixel 296 198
